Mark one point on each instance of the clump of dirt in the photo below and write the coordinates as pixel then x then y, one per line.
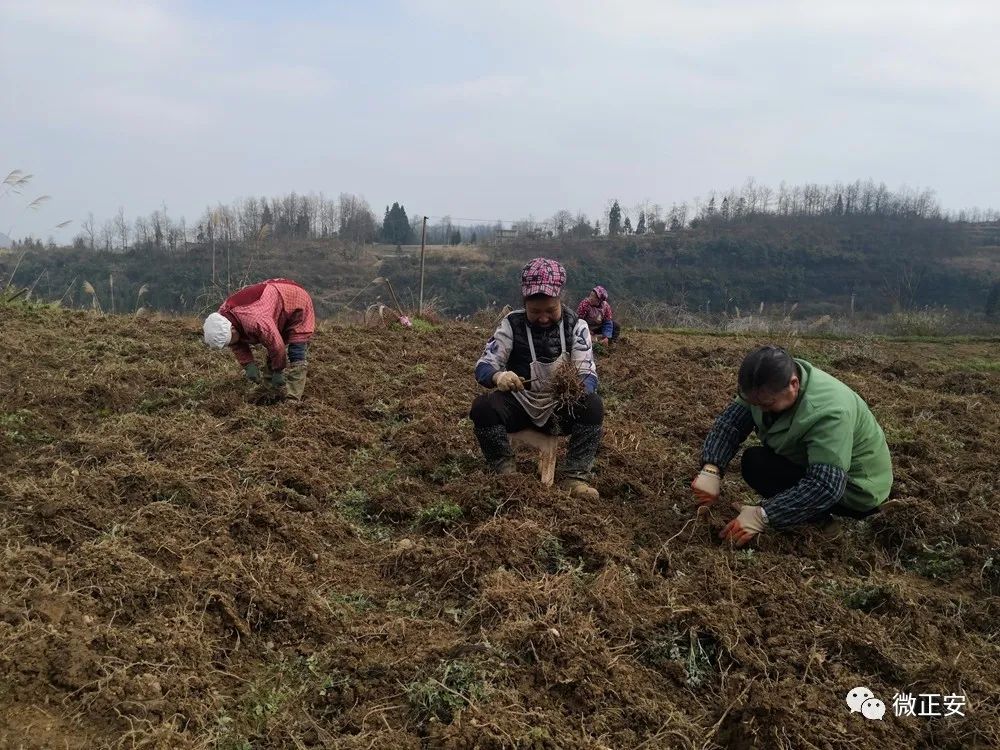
pixel 856 363
pixel 185 568
pixel 900 369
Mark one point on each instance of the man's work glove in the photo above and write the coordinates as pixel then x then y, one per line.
pixel 278 379
pixel 508 381
pixel 707 486
pixel 252 373
pixel 749 523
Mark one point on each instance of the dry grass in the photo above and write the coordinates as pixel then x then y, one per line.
pixel 181 568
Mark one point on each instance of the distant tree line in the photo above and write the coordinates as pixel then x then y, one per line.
pixel 859 198
pixel 349 217
pixel 248 221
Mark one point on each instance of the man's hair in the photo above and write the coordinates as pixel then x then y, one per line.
pixel 539 297
pixel 768 369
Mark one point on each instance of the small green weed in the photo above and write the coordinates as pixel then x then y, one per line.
pixel 939 561
pixel 441 513
pixel 423 326
pixel 990 572
pixel 746 556
pixel 263 703
pixel 226 737
pixel 868 598
pixel 269 423
pixel 551 552
pixel 390 410
pixel 692 650
pixel 15 427
pixel 451 469
pixel 357 601
pixel 980 364
pixel 356 507
pixel 154 404
pixel 114 531
pixel 455 685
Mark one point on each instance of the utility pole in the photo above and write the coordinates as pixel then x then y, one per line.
pixel 423 236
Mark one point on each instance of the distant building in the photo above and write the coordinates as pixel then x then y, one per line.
pixel 538 233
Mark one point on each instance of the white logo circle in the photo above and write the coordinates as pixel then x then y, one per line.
pixel 857 697
pixel 873 708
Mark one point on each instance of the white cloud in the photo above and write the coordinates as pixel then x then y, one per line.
pixel 539 103
pixel 691 22
pixel 146 112
pixel 477 90
pixel 141 26
pixel 277 79
pixel 914 44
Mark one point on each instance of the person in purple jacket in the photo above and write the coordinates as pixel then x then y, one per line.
pixel 595 310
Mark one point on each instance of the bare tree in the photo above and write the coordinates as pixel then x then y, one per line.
pixel 357 222
pixel 122 228
pixel 902 290
pixel 327 217
pixel 141 232
pixel 562 222
pixel 90 230
pixel 157 229
pixel 654 219
pixel 107 236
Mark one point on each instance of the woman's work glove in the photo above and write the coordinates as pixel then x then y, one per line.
pixel 252 373
pixel 508 381
pixel 749 523
pixel 707 485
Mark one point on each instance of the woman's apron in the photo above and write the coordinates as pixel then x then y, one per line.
pixel 539 402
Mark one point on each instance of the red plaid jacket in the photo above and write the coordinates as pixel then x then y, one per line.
pixel 273 313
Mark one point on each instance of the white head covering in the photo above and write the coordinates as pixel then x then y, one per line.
pixel 218 331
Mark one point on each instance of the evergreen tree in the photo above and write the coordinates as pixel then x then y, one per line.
pixel 396 226
pixel 403 226
pixel 615 220
pixel 456 237
pixel 640 228
pixel 627 228
pixel 302 225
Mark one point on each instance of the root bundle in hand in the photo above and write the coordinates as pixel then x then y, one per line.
pixel 566 385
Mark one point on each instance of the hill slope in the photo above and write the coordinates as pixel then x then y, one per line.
pixel 814 262
pixel 182 568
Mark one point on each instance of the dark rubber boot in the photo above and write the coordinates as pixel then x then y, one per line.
pixel 584 441
pixel 495 444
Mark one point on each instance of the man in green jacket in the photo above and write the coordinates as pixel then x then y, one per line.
pixel 822 453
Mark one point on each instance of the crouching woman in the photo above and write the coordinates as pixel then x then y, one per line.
pixel 521 362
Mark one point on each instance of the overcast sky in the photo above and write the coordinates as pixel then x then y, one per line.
pixel 495 109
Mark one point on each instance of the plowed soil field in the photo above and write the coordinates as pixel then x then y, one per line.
pixel 181 567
